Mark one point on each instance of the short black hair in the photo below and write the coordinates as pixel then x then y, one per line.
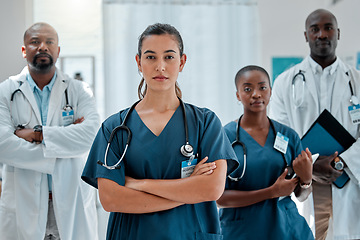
pixel 249 68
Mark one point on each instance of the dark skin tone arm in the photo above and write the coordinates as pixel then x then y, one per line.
pixel 29 135
pixel 303 168
pixel 323 172
pixel 282 187
pixel 235 198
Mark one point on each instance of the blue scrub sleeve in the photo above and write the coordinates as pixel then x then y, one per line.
pixel 215 144
pixel 93 170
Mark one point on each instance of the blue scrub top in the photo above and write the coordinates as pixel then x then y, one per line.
pixel 159 157
pixel 269 219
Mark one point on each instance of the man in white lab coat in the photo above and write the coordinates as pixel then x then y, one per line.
pixel 47 124
pixel 328 83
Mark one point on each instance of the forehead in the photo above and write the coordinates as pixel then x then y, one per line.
pixel 42 31
pixel 160 43
pixel 320 18
pixel 253 76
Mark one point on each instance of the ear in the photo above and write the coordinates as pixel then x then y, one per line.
pixel 238 96
pixel 23 50
pixel 182 62
pixel 137 58
pixel 338 33
pixel 58 51
pixel 306 38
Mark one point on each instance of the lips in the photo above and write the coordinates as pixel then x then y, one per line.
pixel 322 43
pixel 256 103
pixel 160 78
pixel 42 56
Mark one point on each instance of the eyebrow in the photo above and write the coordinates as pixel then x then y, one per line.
pixel 260 83
pixel 167 51
pixel 325 24
pixel 36 38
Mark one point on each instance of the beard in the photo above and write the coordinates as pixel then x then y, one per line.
pixel 42 66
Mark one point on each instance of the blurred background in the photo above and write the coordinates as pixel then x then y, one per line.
pixel 98 40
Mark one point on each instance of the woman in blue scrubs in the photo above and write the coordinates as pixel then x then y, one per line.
pixel 256 204
pixel 156 193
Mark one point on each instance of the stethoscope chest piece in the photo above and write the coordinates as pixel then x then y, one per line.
pixel 354 100
pixel 187 150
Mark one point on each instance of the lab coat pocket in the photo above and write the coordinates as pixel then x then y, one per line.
pixel 208 236
pixel 8 189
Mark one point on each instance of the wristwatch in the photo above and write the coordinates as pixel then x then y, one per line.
pixel 305 185
pixel 338 164
pixel 38 128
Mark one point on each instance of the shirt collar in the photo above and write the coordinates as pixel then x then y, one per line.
pixel 316 68
pixel 33 85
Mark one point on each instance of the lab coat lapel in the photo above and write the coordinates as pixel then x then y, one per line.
pixel 310 84
pixel 29 94
pixel 55 101
pixel 341 88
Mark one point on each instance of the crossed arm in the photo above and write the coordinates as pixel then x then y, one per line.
pixel 282 187
pixel 152 195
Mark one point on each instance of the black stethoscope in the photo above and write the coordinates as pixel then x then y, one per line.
pixel 186 150
pixel 354 100
pixel 238 142
pixel 67 106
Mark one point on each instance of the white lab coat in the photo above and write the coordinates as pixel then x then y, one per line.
pixel 346 201
pixel 24 199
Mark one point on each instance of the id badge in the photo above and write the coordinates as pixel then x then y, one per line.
pixel 67 117
pixel 281 142
pixel 354 111
pixel 188 166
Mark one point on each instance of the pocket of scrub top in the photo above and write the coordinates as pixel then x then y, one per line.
pixel 297 225
pixel 234 229
pixel 208 236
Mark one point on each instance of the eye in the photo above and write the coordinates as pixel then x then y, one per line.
pixel 263 88
pixel 314 29
pixel 150 57
pixel 247 89
pixel 329 28
pixel 169 57
pixel 50 42
pixel 34 42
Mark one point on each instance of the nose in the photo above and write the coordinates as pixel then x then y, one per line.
pixel 43 47
pixel 160 66
pixel 322 34
pixel 256 93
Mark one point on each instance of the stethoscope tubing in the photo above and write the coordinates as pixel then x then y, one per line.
pixel 23 125
pixel 20 125
pixel 353 99
pixel 186 150
pixel 237 141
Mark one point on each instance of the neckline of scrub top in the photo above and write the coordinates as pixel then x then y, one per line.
pixel 149 130
pixel 243 131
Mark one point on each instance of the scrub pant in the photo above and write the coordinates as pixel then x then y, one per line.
pixel 323 209
pixel 52 232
